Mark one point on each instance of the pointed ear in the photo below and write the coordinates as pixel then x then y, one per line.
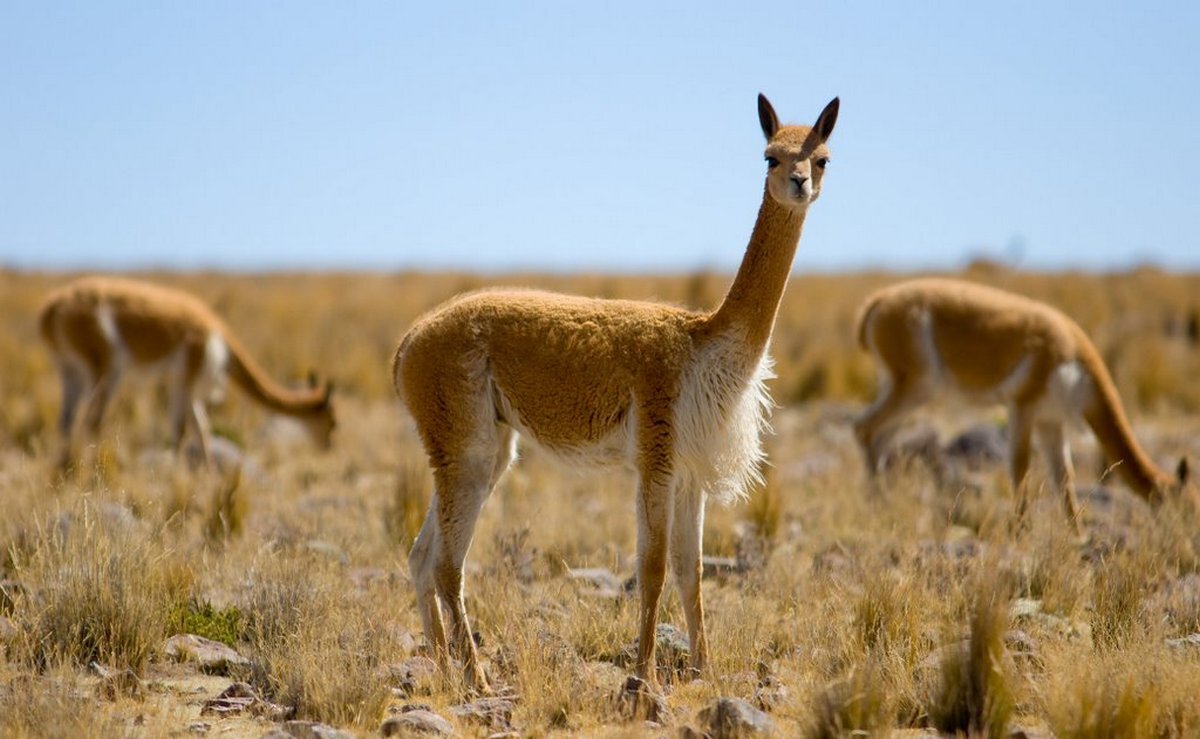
pixel 313 380
pixel 766 117
pixel 828 117
pixel 1183 472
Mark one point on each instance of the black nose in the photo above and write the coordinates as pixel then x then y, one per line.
pixel 799 182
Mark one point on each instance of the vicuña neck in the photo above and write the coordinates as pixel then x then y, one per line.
pixel 753 299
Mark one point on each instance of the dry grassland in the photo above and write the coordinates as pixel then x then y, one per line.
pixel 838 611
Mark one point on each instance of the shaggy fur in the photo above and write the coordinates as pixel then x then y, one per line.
pixel 98 328
pixel 674 395
pixel 932 337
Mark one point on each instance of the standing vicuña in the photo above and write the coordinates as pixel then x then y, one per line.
pixel 99 327
pixel 932 336
pixel 675 395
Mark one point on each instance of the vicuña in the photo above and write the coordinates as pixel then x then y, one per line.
pixel 99 328
pixel 932 337
pixel 677 396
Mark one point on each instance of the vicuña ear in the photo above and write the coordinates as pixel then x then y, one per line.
pixel 1183 471
pixel 313 380
pixel 766 117
pixel 828 117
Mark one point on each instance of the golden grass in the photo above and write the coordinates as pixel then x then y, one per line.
pixel 859 611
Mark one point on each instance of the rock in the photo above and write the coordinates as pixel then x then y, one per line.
pixel 977 447
pixel 672 652
pixel 416 723
pixel 210 656
pixel 414 675
pixel 732 718
pixel 202 727
pixel 116 684
pixel 1185 643
pixel 720 566
pixel 1029 611
pixel 311 730
pixel 325 549
pixel 239 698
pixel 9 591
pixel 604 583
pixel 8 629
pixel 636 700
pixel 1022 647
pixel 1026 732
pixel 493 713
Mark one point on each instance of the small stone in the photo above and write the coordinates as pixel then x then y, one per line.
pixel 603 583
pixel 312 730
pixel 418 722
pixel 212 657
pixel 238 698
pixel 1185 643
pixel 978 446
pixel 720 566
pixel 116 684
pixel 414 675
pixel 493 713
pixel 199 727
pixel 8 629
pixel 733 718
pixel 9 591
pixel 637 701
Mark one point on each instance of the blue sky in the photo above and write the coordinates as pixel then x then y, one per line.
pixel 611 136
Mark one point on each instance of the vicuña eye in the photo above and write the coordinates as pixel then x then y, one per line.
pixel 822 162
pixel 772 162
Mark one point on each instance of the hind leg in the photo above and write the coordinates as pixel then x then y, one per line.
pixel 898 396
pixel 1057 454
pixel 461 485
pixel 420 567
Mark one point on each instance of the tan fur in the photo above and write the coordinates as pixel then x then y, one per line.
pixel 931 337
pixel 97 328
pixel 674 395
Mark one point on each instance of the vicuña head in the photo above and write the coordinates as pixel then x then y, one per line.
pixel 676 396
pixel 934 337
pixel 98 328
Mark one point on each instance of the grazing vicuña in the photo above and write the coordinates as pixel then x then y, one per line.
pixel 940 336
pixel 98 328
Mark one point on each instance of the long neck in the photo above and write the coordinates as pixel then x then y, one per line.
pixel 259 386
pixel 753 298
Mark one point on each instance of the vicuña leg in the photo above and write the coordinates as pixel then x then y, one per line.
pixel 654 511
pixel 876 424
pixel 1020 433
pixel 462 486
pixel 1057 454
pixel 75 386
pixel 420 567
pixel 687 530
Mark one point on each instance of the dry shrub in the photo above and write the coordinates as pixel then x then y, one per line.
pixel 765 506
pixel 858 705
pixel 99 598
pixel 313 654
pixel 1117 599
pixel 50 707
pixel 226 513
pixel 973 695
pixel 410 501
pixel 1148 693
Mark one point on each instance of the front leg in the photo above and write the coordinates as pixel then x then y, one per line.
pixel 687 532
pixel 654 511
